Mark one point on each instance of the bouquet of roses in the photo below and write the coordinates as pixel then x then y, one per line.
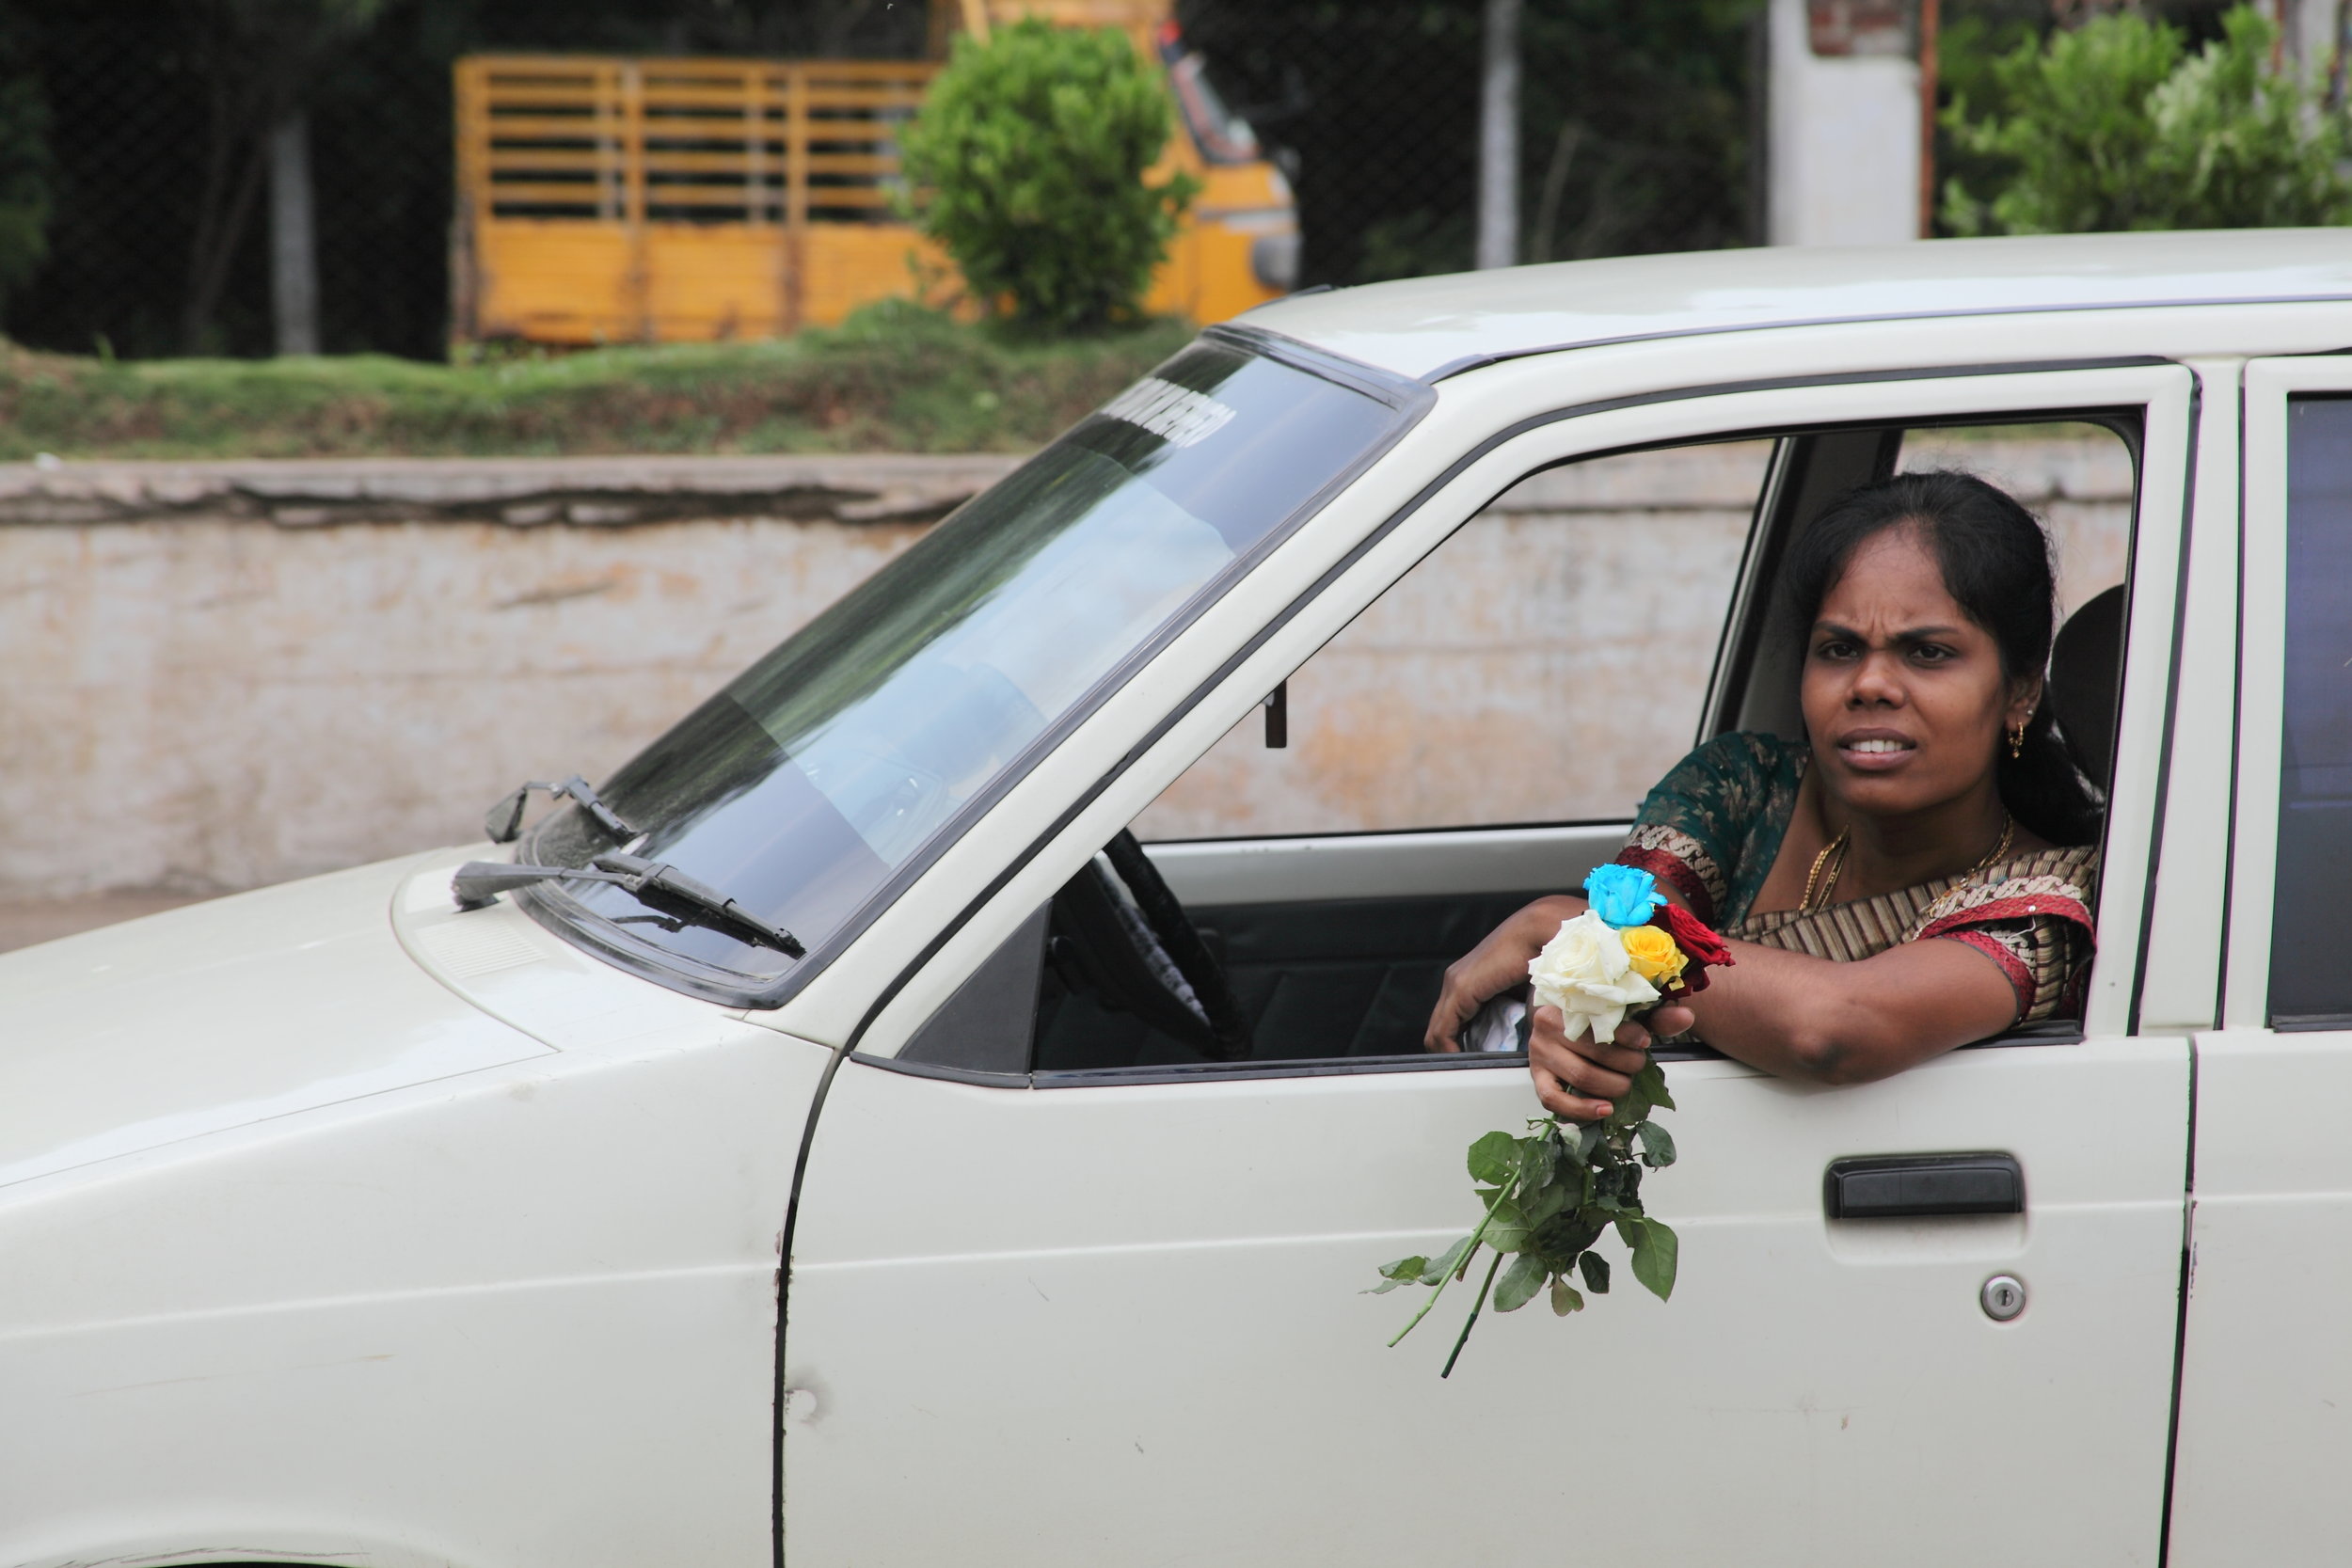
pixel 1550 1195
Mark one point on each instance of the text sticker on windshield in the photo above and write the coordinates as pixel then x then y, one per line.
pixel 1176 414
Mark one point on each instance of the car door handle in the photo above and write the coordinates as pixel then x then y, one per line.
pixel 1899 1187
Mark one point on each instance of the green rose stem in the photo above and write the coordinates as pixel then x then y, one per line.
pixel 1453 1273
pixel 1476 1307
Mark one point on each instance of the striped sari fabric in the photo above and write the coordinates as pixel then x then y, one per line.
pixel 2029 914
pixel 1712 828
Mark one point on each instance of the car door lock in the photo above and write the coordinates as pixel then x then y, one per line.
pixel 2003 1296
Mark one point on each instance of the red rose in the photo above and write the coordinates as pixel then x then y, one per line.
pixel 1699 944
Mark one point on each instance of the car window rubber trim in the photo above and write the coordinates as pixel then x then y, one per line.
pixel 2050 1031
pixel 2184 541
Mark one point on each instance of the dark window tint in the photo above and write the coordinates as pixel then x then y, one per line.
pixel 2309 979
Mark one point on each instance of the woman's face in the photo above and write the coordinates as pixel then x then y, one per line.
pixel 1903 693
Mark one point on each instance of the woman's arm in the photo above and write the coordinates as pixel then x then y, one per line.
pixel 1796 1016
pixel 1499 963
pixel 1494 966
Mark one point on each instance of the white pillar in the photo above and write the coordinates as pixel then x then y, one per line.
pixel 2311 28
pixel 294 251
pixel 1499 138
pixel 1844 133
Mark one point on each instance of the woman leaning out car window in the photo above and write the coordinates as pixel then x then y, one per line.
pixel 1915 875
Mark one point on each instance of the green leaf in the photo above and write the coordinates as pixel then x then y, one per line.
pixel 1519 1283
pixel 1546 1203
pixel 1618 1182
pixel 1539 1158
pixel 1404 1271
pixel 1651 1080
pixel 1564 1299
pixel 1594 1268
pixel 1655 1257
pixel 1632 1106
pixel 1494 1159
pixel 1448 1261
pixel 1588 1138
pixel 1561 1238
pixel 1629 1229
pixel 1658 1145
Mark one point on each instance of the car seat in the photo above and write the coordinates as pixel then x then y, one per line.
pixel 2086 683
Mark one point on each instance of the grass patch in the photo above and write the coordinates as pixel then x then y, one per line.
pixel 895 377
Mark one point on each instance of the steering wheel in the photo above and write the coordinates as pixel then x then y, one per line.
pixel 1147 958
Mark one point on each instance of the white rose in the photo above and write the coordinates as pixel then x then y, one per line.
pixel 1584 973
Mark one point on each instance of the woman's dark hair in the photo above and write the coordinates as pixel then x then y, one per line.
pixel 1997 566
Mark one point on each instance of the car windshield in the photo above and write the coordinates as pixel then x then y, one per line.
pixel 822 777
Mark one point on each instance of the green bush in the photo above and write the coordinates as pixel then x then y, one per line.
pixel 2115 126
pixel 1029 159
pixel 894 378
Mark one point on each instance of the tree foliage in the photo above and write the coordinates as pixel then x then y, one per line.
pixel 259 60
pixel 1635 124
pixel 1029 159
pixel 2116 126
pixel 24 167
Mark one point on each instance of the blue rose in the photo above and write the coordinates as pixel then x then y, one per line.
pixel 1623 895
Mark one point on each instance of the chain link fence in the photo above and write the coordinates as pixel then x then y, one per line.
pixel 1638 133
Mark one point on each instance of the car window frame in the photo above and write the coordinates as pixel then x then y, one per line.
pixel 2134 386
pixel 2269 385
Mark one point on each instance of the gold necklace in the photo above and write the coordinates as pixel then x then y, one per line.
pixel 2000 846
pixel 1834 847
pixel 1833 860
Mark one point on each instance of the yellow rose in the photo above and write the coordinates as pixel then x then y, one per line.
pixel 1653 954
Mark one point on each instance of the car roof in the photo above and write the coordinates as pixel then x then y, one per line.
pixel 1428 329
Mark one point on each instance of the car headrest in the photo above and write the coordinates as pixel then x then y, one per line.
pixel 2085 688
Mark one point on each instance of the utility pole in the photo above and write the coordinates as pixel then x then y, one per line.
pixel 293 248
pixel 1499 138
pixel 1931 23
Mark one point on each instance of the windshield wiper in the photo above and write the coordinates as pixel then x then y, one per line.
pixel 504 823
pixel 658 887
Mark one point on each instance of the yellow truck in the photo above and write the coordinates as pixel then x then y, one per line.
pixel 612 199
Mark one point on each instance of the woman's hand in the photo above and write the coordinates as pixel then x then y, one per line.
pixel 1494 966
pixel 1580 1080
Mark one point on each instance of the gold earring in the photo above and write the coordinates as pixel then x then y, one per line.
pixel 2017 741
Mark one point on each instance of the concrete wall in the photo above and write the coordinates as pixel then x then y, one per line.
pixel 223 676
pixel 1549 662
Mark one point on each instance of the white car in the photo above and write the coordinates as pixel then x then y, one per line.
pixel 865 1153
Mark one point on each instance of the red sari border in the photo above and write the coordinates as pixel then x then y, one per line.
pixel 2031 906
pixel 2020 977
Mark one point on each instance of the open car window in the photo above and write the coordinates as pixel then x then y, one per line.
pixel 1481 733
pixel 1545 664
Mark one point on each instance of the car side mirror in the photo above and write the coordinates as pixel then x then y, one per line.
pixel 1278 716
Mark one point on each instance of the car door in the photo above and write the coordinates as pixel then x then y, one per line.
pixel 2265 1418
pixel 1115 1316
